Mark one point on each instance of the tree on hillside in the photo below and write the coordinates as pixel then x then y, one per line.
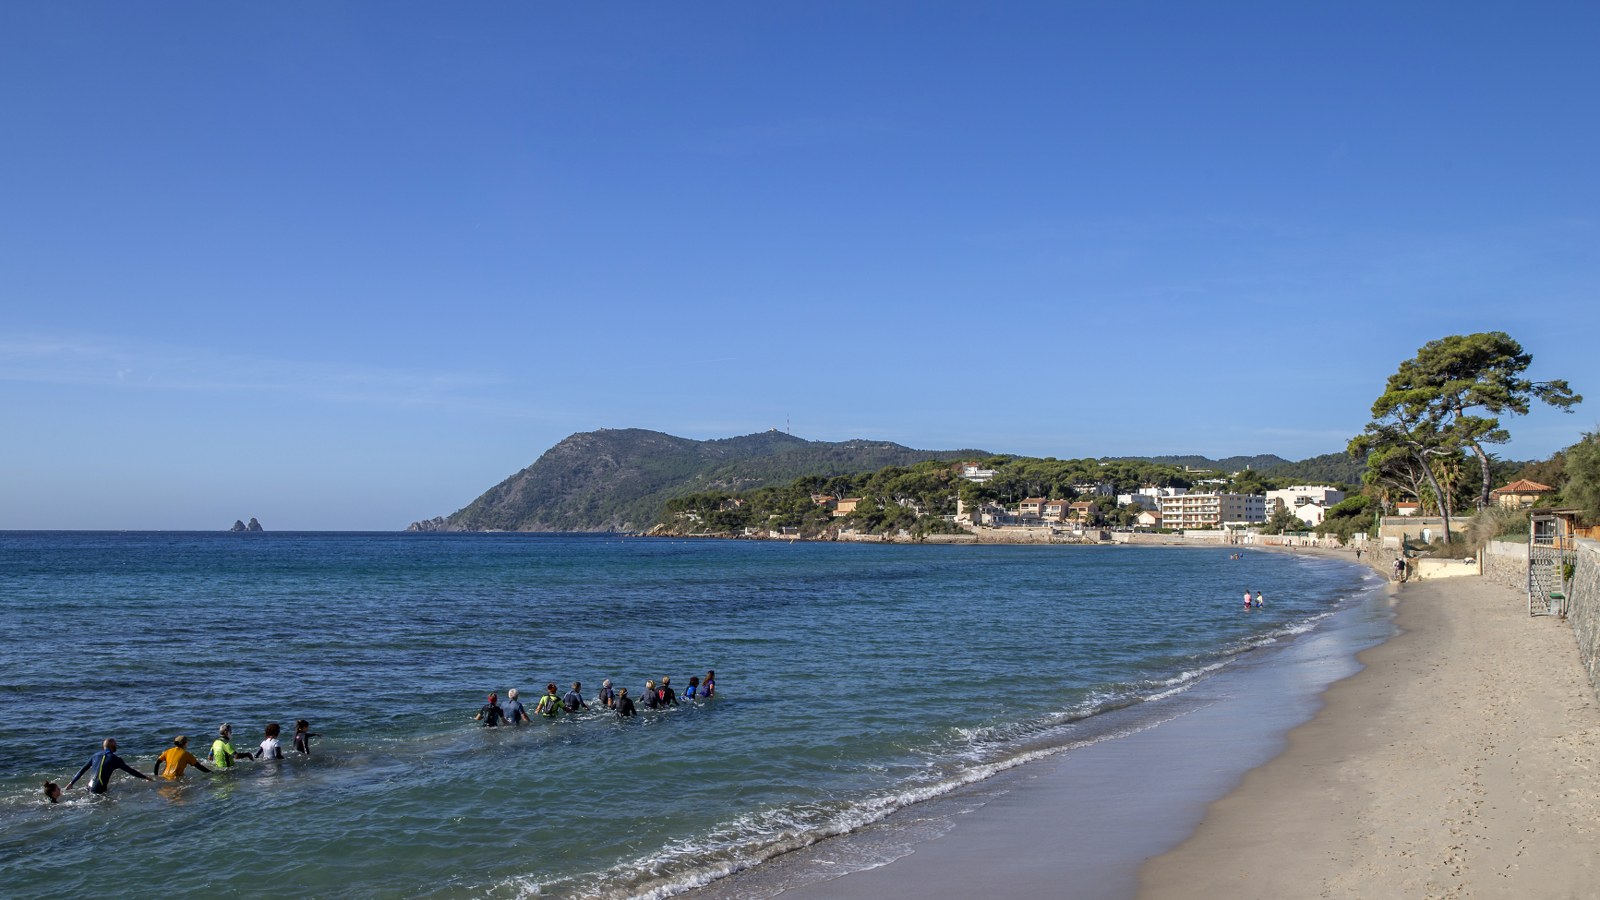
pixel 1460 385
pixel 1583 476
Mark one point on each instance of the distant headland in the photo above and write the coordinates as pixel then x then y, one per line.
pixel 624 479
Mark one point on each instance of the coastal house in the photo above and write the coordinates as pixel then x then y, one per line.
pixel 1150 518
pixel 1407 508
pixel 845 506
pixel 1055 510
pixel 1095 489
pixel 1521 494
pixel 1083 511
pixel 1032 506
pixel 1311 514
pixel 995 516
pixel 972 472
pixel 1299 496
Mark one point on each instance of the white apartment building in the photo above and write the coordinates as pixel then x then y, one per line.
pixel 1292 498
pixel 1149 496
pixel 1211 510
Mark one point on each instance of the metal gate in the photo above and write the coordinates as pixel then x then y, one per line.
pixel 1550 550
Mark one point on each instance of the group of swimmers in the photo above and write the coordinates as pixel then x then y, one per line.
pixel 171 763
pixel 657 695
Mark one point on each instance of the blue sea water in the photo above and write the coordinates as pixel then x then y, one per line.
pixel 852 680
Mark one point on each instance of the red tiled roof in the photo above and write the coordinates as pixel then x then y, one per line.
pixel 1522 486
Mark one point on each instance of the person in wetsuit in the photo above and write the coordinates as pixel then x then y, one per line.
pixel 104 764
pixel 302 737
pixel 573 701
pixel 624 704
pixel 649 697
pixel 490 713
pixel 512 708
pixel 222 755
pixel 171 763
pixel 665 695
pixel 550 704
pixel 608 697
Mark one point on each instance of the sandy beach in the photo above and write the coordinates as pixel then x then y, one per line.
pixel 1461 762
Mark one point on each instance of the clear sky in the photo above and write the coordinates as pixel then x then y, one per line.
pixel 347 265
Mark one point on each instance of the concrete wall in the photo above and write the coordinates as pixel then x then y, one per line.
pixel 1585 609
pixel 1428 569
pixel 1506 562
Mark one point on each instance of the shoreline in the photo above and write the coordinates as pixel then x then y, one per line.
pixel 1457 757
pixel 1089 815
pixel 1460 762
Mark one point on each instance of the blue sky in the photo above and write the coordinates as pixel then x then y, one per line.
pixel 345 266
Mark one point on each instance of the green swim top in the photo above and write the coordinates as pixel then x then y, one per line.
pixel 222 753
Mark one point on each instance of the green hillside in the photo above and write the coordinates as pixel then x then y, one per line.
pixel 622 478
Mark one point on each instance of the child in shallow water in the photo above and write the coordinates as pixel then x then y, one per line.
pixel 302 737
pixel 270 748
pixel 694 688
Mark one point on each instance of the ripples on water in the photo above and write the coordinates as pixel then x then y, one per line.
pixel 851 679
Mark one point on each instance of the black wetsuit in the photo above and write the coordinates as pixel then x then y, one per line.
pixel 104 763
pixel 624 706
pixel 491 714
pixel 668 697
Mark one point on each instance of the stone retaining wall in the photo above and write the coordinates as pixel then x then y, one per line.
pixel 1585 609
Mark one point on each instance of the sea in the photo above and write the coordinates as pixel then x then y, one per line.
pixel 854 681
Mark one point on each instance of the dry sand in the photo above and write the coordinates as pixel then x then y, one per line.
pixel 1461 762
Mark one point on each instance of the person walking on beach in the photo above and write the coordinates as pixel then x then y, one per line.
pixel 171 763
pixel 624 704
pixel 512 709
pixel 573 701
pixel 222 755
pixel 105 763
pixel 490 713
pixel 550 704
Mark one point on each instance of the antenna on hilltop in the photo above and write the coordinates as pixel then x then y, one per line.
pixel 787 429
